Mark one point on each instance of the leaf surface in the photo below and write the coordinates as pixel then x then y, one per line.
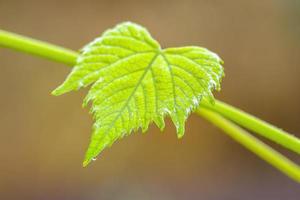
pixel 135 82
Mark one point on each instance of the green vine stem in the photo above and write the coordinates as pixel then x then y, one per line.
pixel 253 144
pixel 255 124
pixel 37 48
pixel 212 113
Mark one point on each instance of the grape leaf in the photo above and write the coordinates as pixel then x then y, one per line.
pixel 135 82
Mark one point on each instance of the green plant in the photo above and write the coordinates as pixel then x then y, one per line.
pixel 134 82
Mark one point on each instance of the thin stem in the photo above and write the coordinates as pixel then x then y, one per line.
pixel 253 144
pixel 38 48
pixel 254 124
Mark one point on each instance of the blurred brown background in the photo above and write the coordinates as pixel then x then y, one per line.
pixel 43 138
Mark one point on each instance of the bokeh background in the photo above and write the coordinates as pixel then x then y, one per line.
pixel 43 138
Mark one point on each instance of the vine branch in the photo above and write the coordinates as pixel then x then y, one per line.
pixel 38 48
pixel 255 124
pixel 253 144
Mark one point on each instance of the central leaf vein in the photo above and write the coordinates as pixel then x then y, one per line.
pixel 131 95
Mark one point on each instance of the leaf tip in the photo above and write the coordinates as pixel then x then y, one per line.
pixel 180 133
pixel 159 121
pixel 55 92
pixel 62 89
pixel 85 163
pixel 58 91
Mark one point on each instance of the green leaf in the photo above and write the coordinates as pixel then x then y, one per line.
pixel 136 82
